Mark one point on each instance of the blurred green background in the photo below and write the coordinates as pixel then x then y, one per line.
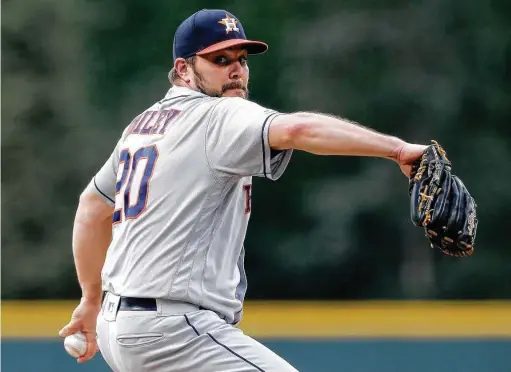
pixel 75 73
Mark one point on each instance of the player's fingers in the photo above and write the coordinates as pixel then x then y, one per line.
pixel 88 355
pixel 69 329
pixel 92 348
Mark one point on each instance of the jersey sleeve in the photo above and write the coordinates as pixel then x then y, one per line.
pixel 104 181
pixel 237 140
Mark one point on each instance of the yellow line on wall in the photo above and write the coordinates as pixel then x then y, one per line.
pixel 408 319
pixel 379 319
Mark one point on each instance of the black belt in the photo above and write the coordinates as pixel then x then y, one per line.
pixel 138 304
pixel 135 303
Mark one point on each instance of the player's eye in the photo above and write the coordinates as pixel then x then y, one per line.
pixel 221 61
pixel 243 61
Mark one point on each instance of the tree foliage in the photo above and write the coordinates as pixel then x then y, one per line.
pixel 75 73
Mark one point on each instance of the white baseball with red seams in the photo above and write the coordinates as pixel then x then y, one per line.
pixel 76 344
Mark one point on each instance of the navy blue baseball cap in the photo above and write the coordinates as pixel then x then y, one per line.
pixel 210 30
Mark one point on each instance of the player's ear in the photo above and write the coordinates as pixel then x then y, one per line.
pixel 182 69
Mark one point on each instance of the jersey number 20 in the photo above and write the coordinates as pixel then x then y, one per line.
pixel 137 169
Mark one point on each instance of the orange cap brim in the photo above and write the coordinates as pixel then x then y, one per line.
pixel 252 47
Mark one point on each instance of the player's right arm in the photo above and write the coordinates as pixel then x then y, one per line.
pixel 327 135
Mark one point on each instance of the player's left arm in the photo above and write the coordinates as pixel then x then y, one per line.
pixel 92 233
pixel 92 230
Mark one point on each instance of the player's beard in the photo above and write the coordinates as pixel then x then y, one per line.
pixel 200 83
pixel 235 85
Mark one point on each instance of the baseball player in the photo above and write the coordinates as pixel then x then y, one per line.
pixel 158 234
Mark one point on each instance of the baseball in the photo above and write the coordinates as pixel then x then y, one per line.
pixel 76 344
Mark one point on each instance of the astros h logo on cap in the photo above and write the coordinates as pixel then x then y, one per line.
pixel 229 23
pixel 210 30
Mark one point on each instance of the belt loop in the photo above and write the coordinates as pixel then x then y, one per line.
pixel 111 307
pixel 159 306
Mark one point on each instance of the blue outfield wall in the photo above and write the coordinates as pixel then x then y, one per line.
pixel 353 336
pixel 353 355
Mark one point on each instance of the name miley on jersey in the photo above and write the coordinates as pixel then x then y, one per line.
pixel 152 122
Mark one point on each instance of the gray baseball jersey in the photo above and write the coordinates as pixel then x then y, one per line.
pixel 180 178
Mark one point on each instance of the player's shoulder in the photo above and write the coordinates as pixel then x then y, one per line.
pixel 185 100
pixel 224 105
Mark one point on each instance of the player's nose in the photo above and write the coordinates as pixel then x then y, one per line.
pixel 237 71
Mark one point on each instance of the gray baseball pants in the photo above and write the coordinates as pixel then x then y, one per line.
pixel 179 337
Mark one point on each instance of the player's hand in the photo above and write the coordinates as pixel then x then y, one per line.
pixel 84 319
pixel 406 155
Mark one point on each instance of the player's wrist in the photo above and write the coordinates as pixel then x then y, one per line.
pixel 397 145
pixel 92 295
pixel 94 302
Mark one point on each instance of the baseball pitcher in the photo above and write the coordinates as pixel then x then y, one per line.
pixel 158 235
